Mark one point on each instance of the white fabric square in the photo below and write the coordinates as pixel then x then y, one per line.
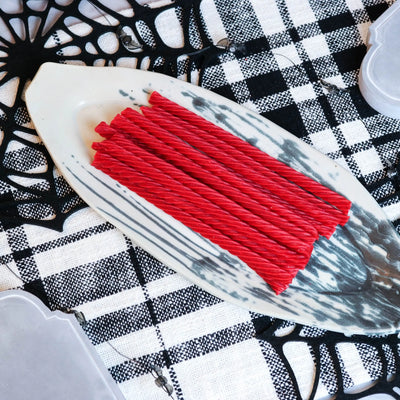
pixel 142 387
pixel 78 221
pixel 167 284
pixel 201 323
pixel 232 71
pixel 286 56
pixel 215 27
pixel 316 47
pixel 134 345
pixel 324 141
pixel 300 12
pixel 79 252
pixel 112 303
pixel 232 376
pixel 354 4
pixel 169 28
pixel 354 132
pixel 271 21
pixel 299 357
pixel 368 161
pixel 302 93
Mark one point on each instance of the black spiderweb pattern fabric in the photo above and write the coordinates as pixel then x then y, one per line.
pixel 32 41
pixel 379 354
pixel 49 200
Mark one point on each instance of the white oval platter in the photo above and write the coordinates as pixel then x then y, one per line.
pixel 351 283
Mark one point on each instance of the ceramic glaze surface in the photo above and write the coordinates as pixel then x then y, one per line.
pixel 352 281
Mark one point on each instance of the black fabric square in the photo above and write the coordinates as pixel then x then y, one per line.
pixel 346 151
pixel 376 10
pixel 148 269
pixel 379 125
pixel 350 78
pixel 118 323
pixel 92 281
pixel 181 302
pixel 258 64
pixel 256 45
pixel 21 254
pixel 36 288
pixel 261 324
pixel 326 107
pixel 294 35
pixel 315 112
pixel 214 76
pixel 288 118
pixel 9 212
pixel 310 71
pixel 336 22
pixel 153 316
pixel 313 115
pixel 385 139
pixel 326 8
pixel 267 84
pixel 225 91
pixel 350 59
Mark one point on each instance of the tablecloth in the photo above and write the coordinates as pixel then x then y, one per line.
pixel 295 62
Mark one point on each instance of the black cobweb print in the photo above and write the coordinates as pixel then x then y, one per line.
pixel 379 354
pixel 31 190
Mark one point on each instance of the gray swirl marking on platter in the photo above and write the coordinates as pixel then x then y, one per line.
pixel 352 280
pixel 360 264
pixel 203 266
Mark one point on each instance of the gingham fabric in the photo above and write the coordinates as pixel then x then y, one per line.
pixel 286 52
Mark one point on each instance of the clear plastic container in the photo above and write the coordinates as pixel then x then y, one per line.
pixel 45 355
pixel 379 78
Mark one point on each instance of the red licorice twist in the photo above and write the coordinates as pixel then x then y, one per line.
pixel 141 184
pixel 246 167
pixel 137 158
pixel 223 188
pixel 282 169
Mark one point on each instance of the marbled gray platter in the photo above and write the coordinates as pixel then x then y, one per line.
pixel 351 283
pixel 46 355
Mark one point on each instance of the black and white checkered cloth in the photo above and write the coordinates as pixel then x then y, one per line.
pixel 287 53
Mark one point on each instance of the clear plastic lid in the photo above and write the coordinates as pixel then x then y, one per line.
pixel 379 78
pixel 46 355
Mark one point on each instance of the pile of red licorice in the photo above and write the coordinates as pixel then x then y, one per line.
pixel 232 193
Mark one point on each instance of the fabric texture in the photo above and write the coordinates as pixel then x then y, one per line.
pixel 283 57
